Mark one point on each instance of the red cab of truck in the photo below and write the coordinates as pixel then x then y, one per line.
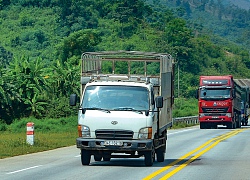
pixel 219 102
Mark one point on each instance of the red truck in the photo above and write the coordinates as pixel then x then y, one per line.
pixel 219 102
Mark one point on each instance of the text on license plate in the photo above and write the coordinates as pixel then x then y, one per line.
pixel 113 143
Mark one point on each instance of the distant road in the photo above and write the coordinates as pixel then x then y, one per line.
pixel 192 153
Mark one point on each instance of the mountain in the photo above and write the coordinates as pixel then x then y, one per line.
pixel 229 19
pixel 243 4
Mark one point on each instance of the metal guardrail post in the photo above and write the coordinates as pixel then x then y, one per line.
pixel 187 120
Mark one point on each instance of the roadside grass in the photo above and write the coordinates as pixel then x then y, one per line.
pixel 48 134
pixel 14 144
pixel 182 125
pixel 184 107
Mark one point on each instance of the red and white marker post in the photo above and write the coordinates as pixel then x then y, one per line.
pixel 30 133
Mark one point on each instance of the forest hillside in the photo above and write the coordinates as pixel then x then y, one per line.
pixel 229 19
pixel 41 42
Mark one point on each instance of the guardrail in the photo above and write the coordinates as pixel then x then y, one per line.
pixel 187 120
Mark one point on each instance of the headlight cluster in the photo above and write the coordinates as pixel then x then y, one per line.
pixel 83 131
pixel 228 115
pixel 202 115
pixel 145 133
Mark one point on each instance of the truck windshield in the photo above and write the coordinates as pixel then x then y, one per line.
pixel 215 93
pixel 116 98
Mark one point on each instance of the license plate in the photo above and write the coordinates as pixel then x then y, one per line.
pixel 113 143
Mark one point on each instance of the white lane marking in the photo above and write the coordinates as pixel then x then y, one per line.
pixel 77 156
pixel 180 131
pixel 13 172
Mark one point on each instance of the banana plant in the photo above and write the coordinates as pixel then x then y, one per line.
pixel 28 77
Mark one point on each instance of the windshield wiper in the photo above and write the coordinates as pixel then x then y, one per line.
pixel 96 108
pixel 128 109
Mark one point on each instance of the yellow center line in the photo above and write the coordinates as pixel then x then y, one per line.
pixel 216 139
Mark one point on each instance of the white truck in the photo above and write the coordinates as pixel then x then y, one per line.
pixel 124 115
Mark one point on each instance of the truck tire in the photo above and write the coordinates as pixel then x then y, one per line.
pixel 97 157
pixel 160 155
pixel 85 157
pixel 149 157
pixel 238 123
pixel 244 123
pixel 106 158
pixel 231 125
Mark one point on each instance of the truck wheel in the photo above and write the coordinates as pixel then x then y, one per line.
pixel 97 157
pixel 85 157
pixel 106 158
pixel 238 123
pixel 231 125
pixel 160 155
pixel 246 122
pixel 234 125
pixel 149 157
pixel 239 120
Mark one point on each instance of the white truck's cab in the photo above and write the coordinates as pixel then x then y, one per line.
pixel 119 115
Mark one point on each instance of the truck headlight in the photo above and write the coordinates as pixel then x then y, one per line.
pixel 228 114
pixel 83 131
pixel 145 133
pixel 202 115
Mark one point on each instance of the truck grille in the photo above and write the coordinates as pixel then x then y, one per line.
pixel 215 114
pixel 214 110
pixel 114 134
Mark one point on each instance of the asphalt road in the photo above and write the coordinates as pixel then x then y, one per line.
pixel 192 153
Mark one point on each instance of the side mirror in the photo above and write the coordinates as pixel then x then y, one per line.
pixel 159 101
pixel 72 100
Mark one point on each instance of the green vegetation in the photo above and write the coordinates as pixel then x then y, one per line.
pixel 14 144
pixel 185 107
pixel 41 43
pixel 179 125
pixel 48 134
pixel 226 18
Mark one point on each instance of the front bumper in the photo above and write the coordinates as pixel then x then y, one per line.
pixel 215 119
pixel 127 145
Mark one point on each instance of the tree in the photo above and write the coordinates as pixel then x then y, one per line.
pixel 8 94
pixel 4 3
pixel 5 56
pixel 77 43
pixel 28 76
